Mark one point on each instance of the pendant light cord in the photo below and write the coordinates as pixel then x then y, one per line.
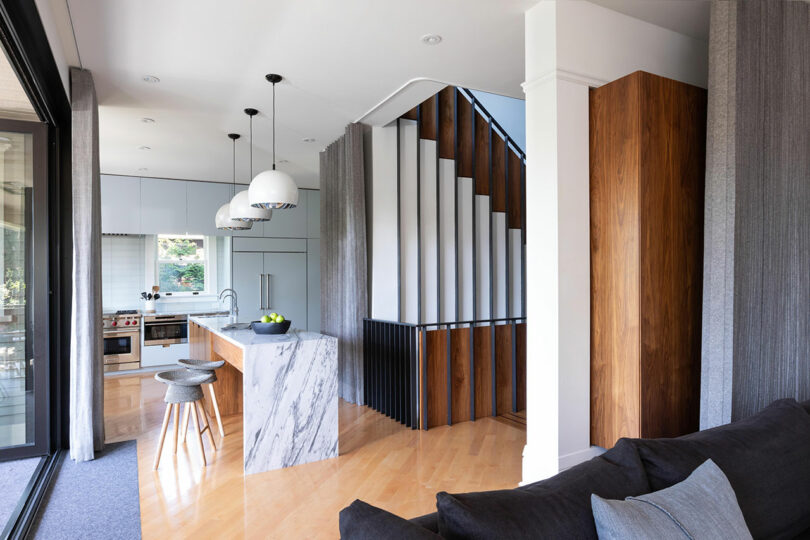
pixel 274 126
pixel 234 162
pixel 251 147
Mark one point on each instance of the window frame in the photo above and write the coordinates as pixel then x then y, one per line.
pixel 152 267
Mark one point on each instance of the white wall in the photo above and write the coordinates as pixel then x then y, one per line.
pixel 383 228
pixel 570 46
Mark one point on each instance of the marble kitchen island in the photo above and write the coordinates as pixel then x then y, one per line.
pixel 285 387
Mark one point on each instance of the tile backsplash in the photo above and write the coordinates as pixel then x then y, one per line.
pixel 122 271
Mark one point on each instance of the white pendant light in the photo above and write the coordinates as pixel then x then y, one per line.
pixel 240 206
pixel 223 219
pixel 273 188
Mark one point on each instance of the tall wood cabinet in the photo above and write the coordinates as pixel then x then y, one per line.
pixel 647 160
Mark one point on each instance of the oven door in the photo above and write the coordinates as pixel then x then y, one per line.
pixel 122 350
pixel 165 332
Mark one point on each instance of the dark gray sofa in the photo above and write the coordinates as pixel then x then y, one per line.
pixel 766 458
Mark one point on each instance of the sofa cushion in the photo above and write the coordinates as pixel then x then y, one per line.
pixel 704 505
pixel 765 458
pixel 559 507
pixel 361 521
pixel 428 521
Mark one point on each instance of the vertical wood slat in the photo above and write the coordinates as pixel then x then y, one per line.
pixel 435 357
pixel 483 372
pixel 520 371
pixel 515 207
pixel 503 368
pixel 498 174
pixel 428 122
pixel 481 157
pixel 465 137
pixel 460 368
pixel 446 128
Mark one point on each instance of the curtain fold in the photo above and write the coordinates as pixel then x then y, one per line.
pixel 86 342
pixel 344 301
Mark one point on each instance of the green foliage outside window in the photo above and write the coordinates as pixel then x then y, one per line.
pixel 181 264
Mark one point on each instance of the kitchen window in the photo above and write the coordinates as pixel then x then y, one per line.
pixel 183 265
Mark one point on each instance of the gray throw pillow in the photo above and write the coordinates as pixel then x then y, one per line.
pixel 702 506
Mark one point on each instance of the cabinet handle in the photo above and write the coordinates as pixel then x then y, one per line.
pixel 269 296
pixel 261 291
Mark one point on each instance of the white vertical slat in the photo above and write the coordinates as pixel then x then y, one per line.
pixel 384 223
pixel 447 239
pixel 515 282
pixel 465 247
pixel 482 256
pixel 430 233
pixel 408 231
pixel 499 264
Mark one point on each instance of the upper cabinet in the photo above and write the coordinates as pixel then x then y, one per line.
pixel 203 199
pixel 120 204
pixel 132 205
pixel 163 206
pixel 313 213
pixel 290 222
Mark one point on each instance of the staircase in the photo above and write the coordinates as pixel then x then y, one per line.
pixel 455 350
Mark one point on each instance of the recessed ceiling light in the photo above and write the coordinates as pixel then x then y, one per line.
pixel 431 39
pixel 146 120
pixel 308 139
pixel 144 148
pixel 150 79
pixel 283 161
pixel 143 169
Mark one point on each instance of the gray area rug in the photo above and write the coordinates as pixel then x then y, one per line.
pixel 15 476
pixel 94 499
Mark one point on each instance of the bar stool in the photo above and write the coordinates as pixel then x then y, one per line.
pixel 204 366
pixel 184 387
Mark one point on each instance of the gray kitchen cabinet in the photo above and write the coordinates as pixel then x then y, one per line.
pixel 290 222
pixel 313 213
pixel 163 206
pixel 285 286
pixel 313 284
pixel 247 275
pixel 120 204
pixel 203 199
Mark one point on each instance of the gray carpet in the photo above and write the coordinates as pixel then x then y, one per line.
pixel 15 476
pixel 94 499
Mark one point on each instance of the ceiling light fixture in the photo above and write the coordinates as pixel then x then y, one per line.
pixel 223 219
pixel 143 169
pixel 150 79
pixel 240 204
pixel 146 120
pixel 273 189
pixel 431 39
pixel 144 148
pixel 308 139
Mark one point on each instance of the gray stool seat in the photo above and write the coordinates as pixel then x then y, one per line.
pixel 183 386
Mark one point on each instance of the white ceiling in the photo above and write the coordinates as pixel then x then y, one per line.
pixel 339 59
pixel 690 17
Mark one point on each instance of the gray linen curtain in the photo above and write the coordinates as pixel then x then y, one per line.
pixel 343 256
pixel 86 341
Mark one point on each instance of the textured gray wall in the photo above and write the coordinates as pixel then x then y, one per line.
pixel 758 209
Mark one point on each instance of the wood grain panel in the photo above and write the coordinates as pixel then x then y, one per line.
pixel 503 368
pixel 447 130
pixel 428 123
pixel 520 331
pixel 228 351
pixel 228 388
pixel 483 372
pixel 482 171
pixel 614 169
pixel 460 366
pixel 515 199
pixel 498 174
pixel 436 356
pixel 672 172
pixel 410 115
pixel 465 137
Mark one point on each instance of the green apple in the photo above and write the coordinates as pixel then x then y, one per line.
pixel 266 319
pixel 273 316
pixel 280 319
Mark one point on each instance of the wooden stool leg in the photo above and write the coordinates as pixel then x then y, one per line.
pixel 196 421
pixel 207 427
pixel 176 427
pixel 216 409
pixel 186 411
pixel 162 435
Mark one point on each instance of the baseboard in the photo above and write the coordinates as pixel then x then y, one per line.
pixel 533 471
pixel 575 458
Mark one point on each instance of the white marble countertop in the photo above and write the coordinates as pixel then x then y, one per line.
pixel 249 338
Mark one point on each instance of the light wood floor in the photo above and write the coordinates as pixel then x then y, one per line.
pixel 380 461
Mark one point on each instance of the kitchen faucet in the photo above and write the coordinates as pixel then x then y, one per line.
pixel 234 301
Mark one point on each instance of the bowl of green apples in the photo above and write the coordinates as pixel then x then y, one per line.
pixel 271 324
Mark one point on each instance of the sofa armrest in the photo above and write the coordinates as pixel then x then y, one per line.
pixel 361 521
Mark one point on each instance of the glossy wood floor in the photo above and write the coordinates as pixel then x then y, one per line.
pixel 380 461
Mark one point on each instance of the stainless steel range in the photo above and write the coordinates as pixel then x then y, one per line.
pixel 122 340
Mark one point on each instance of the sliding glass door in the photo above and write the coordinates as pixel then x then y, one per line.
pixel 23 289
